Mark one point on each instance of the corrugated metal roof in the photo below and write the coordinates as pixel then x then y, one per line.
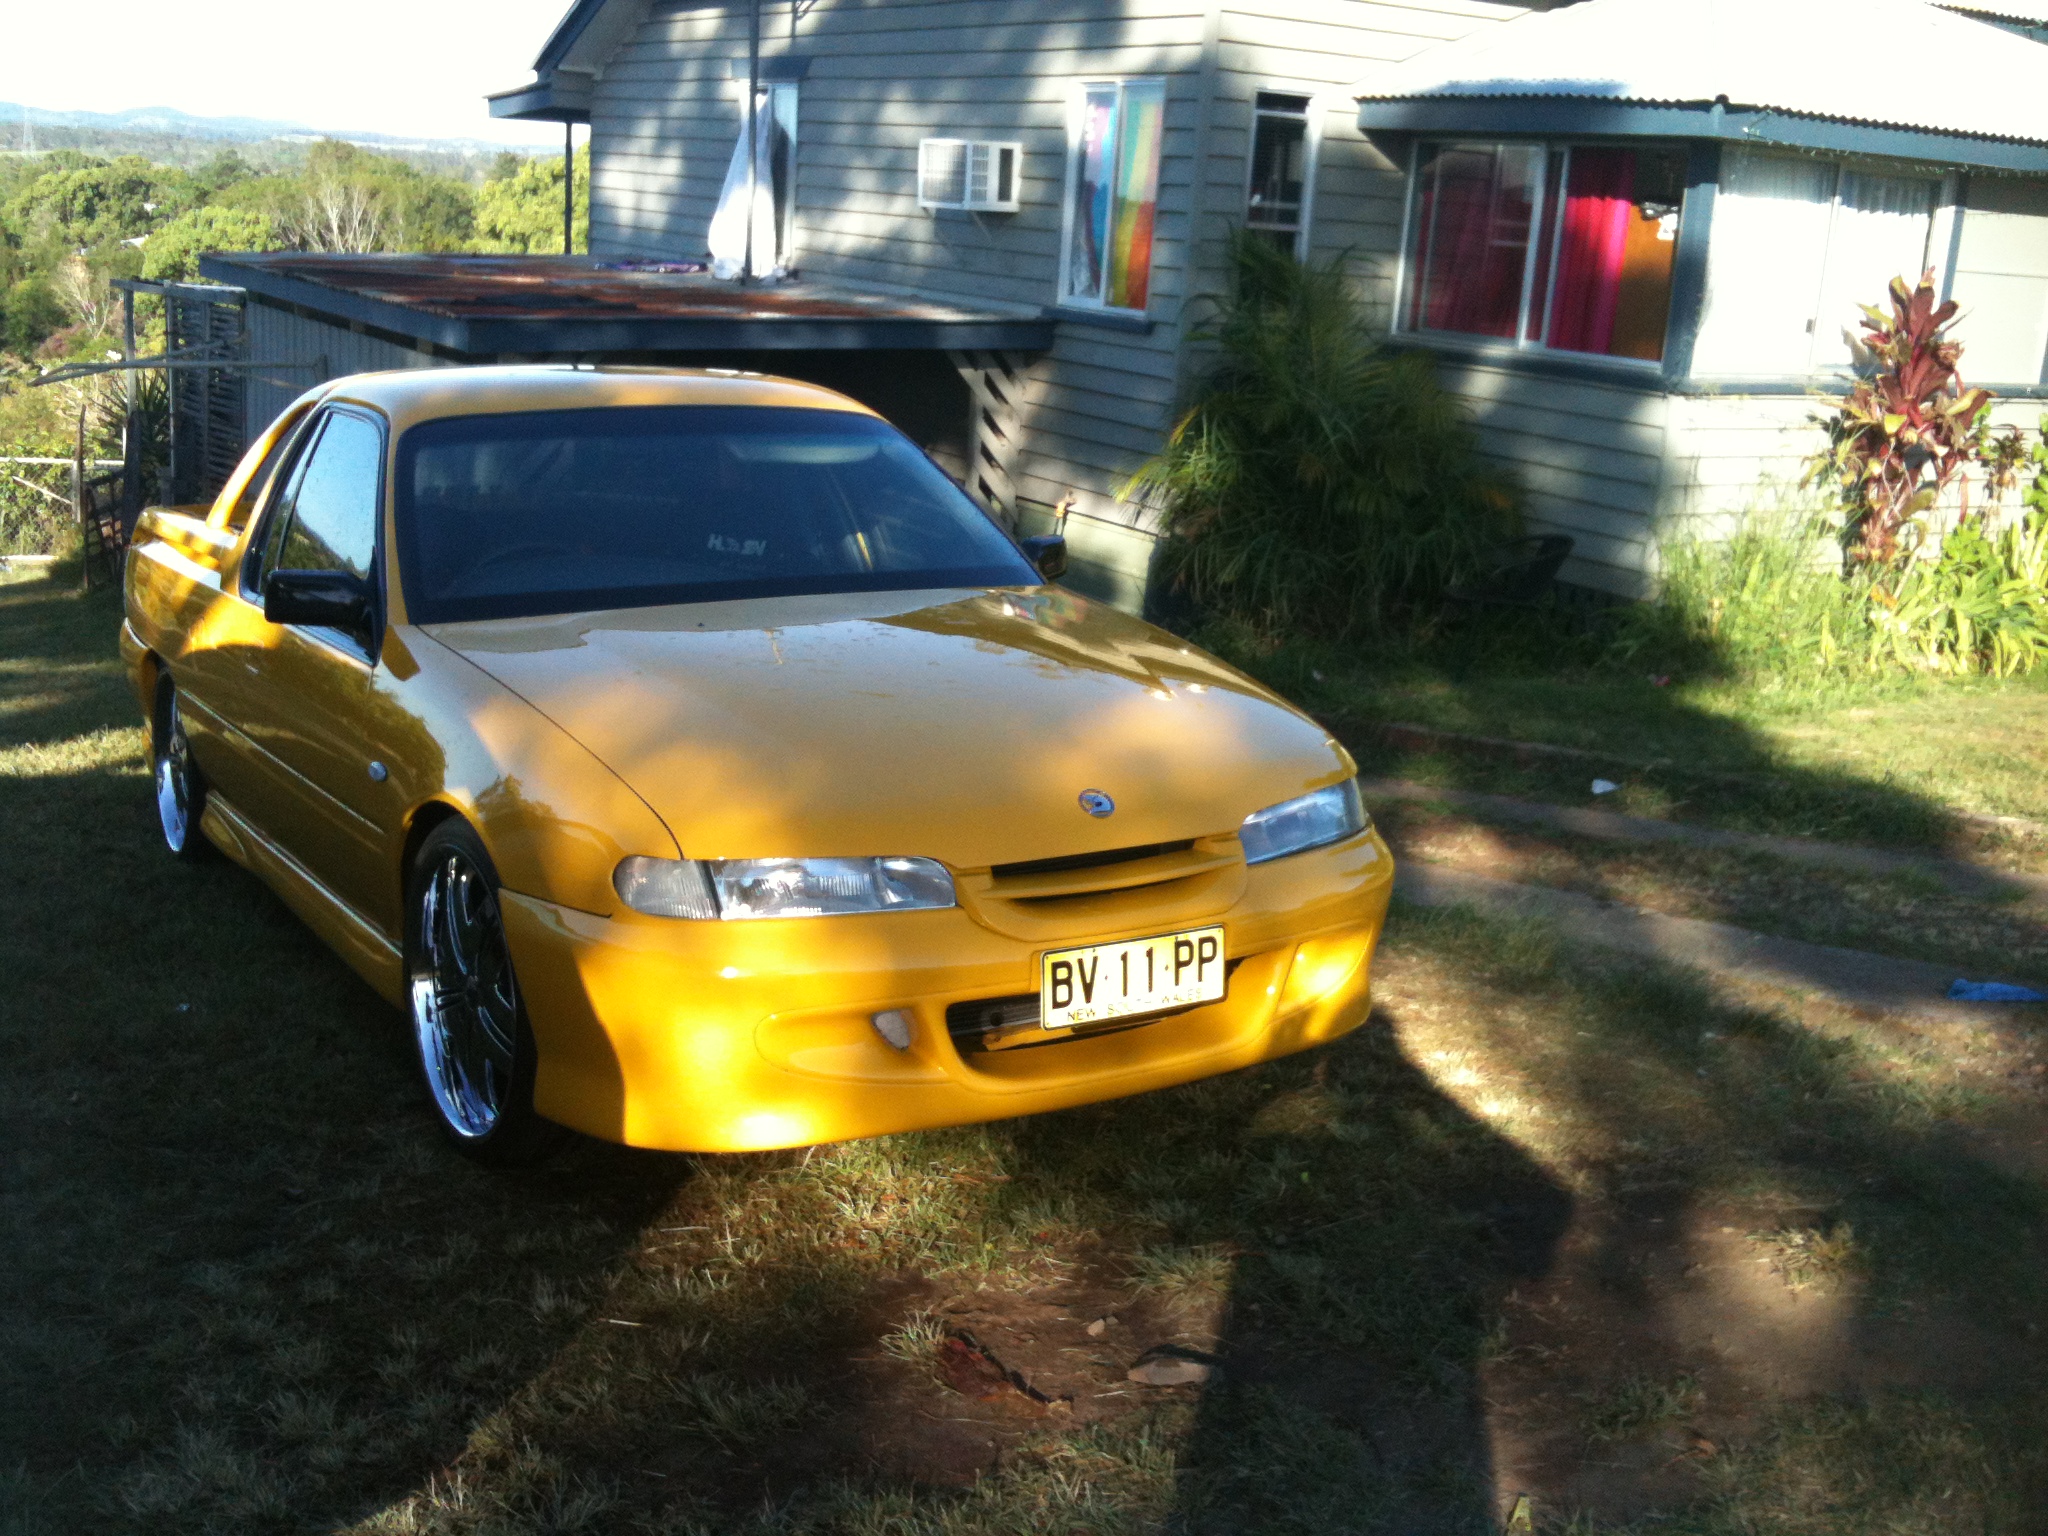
pixel 2034 12
pixel 486 305
pixel 1816 58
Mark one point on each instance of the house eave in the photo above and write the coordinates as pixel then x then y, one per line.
pixel 557 97
pixel 1548 116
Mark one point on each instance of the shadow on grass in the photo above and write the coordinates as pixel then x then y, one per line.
pixel 248 1290
pixel 1685 748
pixel 242 1276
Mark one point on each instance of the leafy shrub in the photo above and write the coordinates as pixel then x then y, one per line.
pixel 1318 483
pixel 1983 606
pixel 1907 429
pixel 1765 600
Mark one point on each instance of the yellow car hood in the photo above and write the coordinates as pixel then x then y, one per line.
pixel 950 725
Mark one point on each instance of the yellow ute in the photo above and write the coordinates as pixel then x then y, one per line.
pixel 699 768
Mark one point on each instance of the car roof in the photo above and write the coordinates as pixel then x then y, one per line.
pixel 412 395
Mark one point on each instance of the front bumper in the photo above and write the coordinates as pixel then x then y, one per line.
pixel 720 1037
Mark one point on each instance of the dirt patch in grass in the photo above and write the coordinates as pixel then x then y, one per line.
pixel 1896 914
pixel 1599 1233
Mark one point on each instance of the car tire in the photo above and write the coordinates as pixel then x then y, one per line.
pixel 469 1023
pixel 180 786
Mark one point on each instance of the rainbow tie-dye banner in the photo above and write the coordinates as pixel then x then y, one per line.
pixel 1116 193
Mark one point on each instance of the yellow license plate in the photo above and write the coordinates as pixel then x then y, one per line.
pixel 1118 981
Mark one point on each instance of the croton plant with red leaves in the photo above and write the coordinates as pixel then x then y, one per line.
pixel 1907 429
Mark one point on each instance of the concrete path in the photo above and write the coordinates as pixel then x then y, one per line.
pixel 1846 976
pixel 1964 879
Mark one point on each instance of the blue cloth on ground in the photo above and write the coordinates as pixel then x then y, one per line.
pixel 1994 992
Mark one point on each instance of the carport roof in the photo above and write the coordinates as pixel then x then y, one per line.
pixel 491 306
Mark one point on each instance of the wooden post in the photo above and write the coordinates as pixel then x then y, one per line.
pixel 78 502
pixel 131 440
pixel 568 188
pixel 753 137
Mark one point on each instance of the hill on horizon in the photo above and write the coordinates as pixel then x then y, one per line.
pixel 172 122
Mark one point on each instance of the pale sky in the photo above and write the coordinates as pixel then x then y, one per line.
pixel 405 67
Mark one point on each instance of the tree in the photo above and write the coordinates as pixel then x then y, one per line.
pixel 172 253
pixel 102 201
pixel 522 212
pixel 31 314
pixel 352 200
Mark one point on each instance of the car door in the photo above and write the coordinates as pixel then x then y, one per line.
pixel 227 649
pixel 307 709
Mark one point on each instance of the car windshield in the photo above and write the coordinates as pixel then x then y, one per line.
pixel 544 512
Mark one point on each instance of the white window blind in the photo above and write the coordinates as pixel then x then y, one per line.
pixel 2001 281
pixel 1880 232
pixel 1766 259
pixel 1797 247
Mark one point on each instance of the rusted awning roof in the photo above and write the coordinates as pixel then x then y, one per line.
pixel 490 306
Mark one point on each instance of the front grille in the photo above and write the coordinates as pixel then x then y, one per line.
pixel 1074 861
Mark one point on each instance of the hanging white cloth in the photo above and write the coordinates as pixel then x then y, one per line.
pixel 728 236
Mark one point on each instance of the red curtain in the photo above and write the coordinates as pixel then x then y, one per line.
pixel 1474 239
pixel 1599 192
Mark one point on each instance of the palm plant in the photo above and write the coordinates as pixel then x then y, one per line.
pixel 1318 482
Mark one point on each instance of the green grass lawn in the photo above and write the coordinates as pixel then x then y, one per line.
pixel 1891 761
pixel 1660 1256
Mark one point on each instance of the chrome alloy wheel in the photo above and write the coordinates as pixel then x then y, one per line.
pixel 177 782
pixel 465 1007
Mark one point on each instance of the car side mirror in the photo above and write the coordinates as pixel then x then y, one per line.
pixel 323 599
pixel 1048 551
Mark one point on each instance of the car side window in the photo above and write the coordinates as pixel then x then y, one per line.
pixel 326 519
pixel 253 489
pixel 333 524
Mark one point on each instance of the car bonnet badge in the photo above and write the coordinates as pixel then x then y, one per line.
pixel 1096 803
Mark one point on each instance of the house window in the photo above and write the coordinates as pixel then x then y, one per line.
pixel 1798 246
pixel 773 186
pixel 1279 168
pixel 1113 192
pixel 1564 246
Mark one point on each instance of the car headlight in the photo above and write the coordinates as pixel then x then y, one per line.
pixel 734 889
pixel 1293 826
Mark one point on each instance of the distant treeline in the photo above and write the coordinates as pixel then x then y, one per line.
pixel 190 151
pixel 70 221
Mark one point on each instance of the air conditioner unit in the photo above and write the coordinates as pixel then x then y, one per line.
pixel 974 174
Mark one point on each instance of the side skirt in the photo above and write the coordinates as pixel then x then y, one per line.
pixel 369 953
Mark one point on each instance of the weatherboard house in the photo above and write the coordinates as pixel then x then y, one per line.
pixel 1634 234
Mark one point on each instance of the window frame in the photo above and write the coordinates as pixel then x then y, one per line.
pixel 1077 105
pixel 1311 118
pixel 1677 339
